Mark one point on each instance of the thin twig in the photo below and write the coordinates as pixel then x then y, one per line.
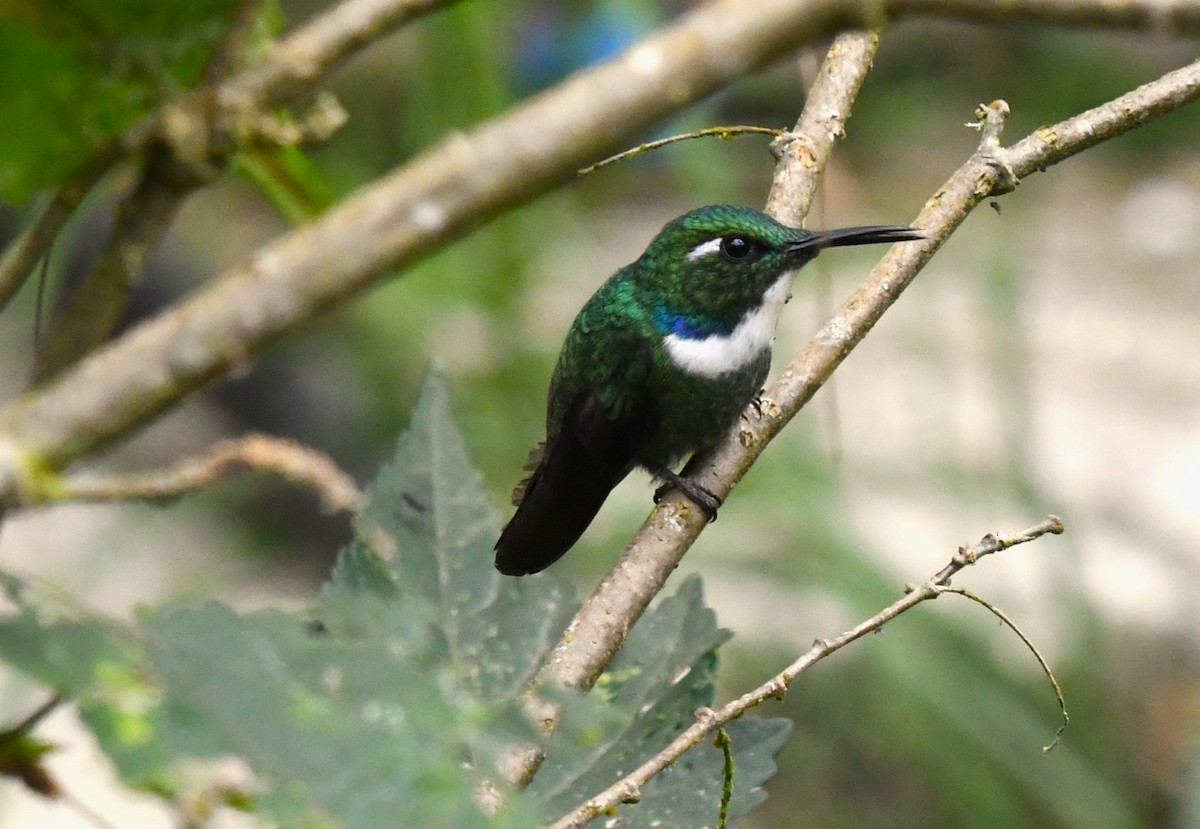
pixel 993 543
pixel 1011 625
pixel 34 242
pixel 292 461
pixel 723 742
pixel 709 720
pixel 720 132
pixel 95 307
pixel 37 715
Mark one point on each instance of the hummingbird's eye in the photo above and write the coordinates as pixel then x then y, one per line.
pixel 737 248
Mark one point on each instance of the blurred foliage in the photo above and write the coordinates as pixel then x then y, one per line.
pixel 937 722
pixel 76 73
pixel 360 710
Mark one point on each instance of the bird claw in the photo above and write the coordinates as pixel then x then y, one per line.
pixel 701 496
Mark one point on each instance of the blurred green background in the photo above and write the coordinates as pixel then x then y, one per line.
pixel 1046 361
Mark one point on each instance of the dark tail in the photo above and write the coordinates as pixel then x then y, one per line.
pixel 561 498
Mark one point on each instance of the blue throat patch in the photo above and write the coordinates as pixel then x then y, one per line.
pixel 689 328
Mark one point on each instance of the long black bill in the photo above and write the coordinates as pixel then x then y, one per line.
pixel 870 235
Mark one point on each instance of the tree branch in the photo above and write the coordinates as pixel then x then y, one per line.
pixel 293 65
pixel 601 625
pixel 438 196
pixel 802 154
pixel 290 460
pixel 628 789
pixel 97 303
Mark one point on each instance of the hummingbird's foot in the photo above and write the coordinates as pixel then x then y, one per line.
pixel 701 496
pixel 756 404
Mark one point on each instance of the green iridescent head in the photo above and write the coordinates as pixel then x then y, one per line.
pixel 718 262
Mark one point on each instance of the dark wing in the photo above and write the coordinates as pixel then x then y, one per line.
pixel 601 434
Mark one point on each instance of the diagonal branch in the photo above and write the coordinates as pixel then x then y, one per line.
pixel 600 627
pixel 802 155
pixel 628 789
pixel 436 197
pixel 292 66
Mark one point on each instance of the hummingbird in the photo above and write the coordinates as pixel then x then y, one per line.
pixel 658 365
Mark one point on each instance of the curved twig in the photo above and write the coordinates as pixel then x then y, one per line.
pixel 290 460
pixel 719 132
pixel 1011 625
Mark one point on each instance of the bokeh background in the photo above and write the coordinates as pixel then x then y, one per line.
pixel 1046 361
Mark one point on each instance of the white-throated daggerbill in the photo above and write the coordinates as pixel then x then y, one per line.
pixel 658 365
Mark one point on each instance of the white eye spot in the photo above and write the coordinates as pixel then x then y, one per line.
pixel 704 248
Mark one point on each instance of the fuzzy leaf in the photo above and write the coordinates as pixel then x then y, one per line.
pixel 386 702
pixel 431 503
pixel 654 686
pixel 78 72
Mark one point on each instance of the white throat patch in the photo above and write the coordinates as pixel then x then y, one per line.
pixel 719 354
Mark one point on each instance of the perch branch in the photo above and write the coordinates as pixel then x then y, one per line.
pixel 601 625
pixel 629 788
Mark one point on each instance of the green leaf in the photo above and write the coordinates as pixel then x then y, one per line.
pixel 78 72
pixel 654 686
pixel 431 503
pixel 340 729
pixel 388 701
pixel 46 639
